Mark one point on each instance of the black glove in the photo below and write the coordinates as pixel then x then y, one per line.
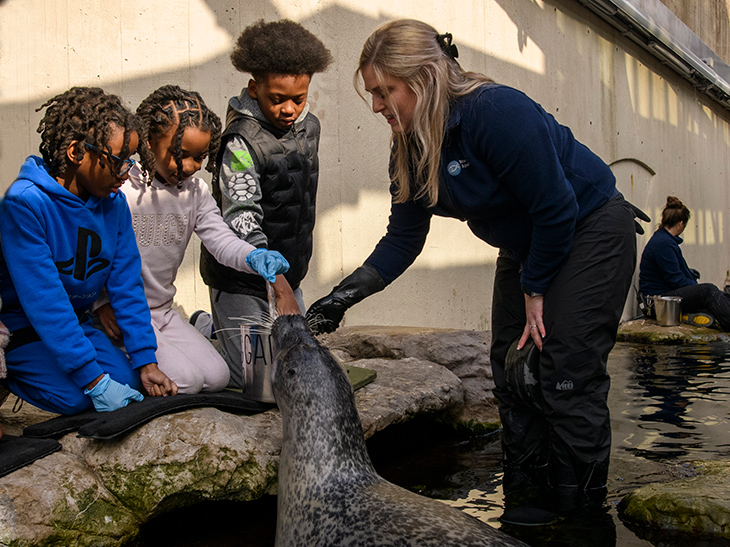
pixel 326 313
pixel 641 215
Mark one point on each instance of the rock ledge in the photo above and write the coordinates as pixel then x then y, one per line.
pixel 98 493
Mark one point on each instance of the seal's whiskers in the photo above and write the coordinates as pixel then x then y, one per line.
pixel 314 321
pixel 262 322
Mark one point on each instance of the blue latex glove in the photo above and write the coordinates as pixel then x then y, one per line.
pixel 267 263
pixel 109 395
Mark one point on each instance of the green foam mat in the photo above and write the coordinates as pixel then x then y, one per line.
pixel 359 376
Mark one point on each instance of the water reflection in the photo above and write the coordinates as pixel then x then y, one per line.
pixel 669 404
pixel 672 400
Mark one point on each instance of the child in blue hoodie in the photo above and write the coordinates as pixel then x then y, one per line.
pixel 65 234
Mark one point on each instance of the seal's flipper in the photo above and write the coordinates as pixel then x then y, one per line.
pixel 17 452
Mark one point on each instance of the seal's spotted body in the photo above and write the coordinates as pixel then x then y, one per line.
pixel 329 492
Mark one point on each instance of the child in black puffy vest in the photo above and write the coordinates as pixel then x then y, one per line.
pixel 266 185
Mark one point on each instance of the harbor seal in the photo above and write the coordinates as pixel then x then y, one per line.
pixel 329 491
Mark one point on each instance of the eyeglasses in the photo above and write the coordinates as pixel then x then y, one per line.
pixel 122 166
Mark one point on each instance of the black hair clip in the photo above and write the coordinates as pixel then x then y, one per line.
pixel 447 46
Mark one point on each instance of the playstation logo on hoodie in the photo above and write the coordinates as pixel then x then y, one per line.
pixel 85 264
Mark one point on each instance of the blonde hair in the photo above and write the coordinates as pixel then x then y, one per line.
pixel 410 50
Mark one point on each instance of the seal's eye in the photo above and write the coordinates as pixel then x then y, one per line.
pixel 291 371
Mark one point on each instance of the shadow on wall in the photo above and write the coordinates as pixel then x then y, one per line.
pixel 354 142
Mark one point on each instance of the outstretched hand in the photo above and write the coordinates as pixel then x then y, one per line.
pixel 267 263
pixel 326 314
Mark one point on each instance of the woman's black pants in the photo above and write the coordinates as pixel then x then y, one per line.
pixel 565 444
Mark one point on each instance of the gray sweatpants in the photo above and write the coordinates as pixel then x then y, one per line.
pixel 229 311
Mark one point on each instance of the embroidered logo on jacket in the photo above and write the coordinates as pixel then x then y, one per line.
pixel 565 385
pixel 85 264
pixel 455 166
pixel 241 160
pixel 244 223
pixel 242 186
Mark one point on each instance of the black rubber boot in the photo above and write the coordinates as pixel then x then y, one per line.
pixel 527 497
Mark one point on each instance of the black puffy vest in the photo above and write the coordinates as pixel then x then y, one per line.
pixel 288 168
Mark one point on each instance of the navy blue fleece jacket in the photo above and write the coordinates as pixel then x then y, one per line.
pixel 663 268
pixel 518 178
pixel 57 252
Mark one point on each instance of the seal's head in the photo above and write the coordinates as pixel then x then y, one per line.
pixel 304 372
pixel 316 403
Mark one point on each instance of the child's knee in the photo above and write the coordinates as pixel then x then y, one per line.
pixel 188 379
pixel 218 380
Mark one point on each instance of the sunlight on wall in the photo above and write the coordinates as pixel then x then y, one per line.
pixel 651 96
pixel 132 45
pixel 450 243
pixel 502 34
pixel 638 79
pixel 606 60
pixel 497 39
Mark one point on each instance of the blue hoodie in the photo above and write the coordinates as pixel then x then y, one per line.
pixel 57 252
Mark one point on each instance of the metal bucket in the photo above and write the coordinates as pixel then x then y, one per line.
pixel 667 309
pixel 257 360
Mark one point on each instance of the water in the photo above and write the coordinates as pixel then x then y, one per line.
pixel 669 405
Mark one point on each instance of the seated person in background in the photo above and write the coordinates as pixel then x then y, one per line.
pixel 66 234
pixel 663 271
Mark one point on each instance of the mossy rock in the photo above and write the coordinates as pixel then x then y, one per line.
pixel 648 331
pixel 699 505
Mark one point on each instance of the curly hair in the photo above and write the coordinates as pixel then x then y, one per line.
pixel 171 107
pixel 84 114
pixel 279 47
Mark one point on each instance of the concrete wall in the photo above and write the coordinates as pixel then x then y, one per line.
pixel 659 135
pixel 708 19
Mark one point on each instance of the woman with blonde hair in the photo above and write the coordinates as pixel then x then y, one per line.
pixel 468 148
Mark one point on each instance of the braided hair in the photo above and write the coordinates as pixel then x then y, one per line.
pixel 84 114
pixel 170 106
